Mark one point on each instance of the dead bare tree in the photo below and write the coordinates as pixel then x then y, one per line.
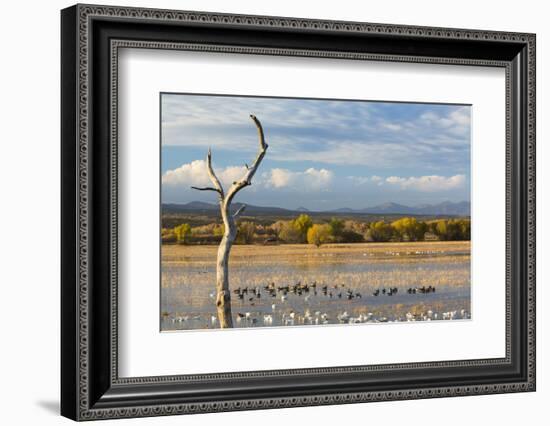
pixel 223 295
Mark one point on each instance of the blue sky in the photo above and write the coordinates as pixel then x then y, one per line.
pixel 322 154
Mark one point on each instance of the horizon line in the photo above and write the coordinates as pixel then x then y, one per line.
pixel 333 210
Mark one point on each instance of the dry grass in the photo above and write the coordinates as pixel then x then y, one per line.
pixel 302 252
pixel 287 264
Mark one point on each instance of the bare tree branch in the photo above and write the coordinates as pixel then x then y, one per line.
pixel 239 211
pixel 247 178
pixel 212 175
pixel 207 188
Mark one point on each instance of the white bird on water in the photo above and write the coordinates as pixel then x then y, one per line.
pixel 343 317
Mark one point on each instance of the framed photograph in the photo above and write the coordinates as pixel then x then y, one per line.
pixel 263 212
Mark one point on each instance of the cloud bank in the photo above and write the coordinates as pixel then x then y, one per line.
pixel 195 174
pixel 432 183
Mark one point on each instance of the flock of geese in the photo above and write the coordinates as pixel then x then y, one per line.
pixel 284 313
pixel 253 294
pixel 251 319
pixel 299 289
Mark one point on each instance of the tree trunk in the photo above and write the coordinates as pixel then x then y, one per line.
pixel 223 294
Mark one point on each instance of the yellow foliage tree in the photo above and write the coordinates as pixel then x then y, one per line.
pixel 302 224
pixel 380 231
pixel 411 228
pixel 319 234
pixel 182 232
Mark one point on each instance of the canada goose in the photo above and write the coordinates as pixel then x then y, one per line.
pixel 376 292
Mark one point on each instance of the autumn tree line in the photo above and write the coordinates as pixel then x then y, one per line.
pixel 303 230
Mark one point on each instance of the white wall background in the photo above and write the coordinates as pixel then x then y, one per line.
pixel 29 185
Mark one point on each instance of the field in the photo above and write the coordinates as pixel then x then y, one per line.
pixel 283 285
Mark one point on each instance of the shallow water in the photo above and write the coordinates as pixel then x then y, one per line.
pixel 351 278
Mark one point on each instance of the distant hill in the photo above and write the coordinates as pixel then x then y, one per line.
pixel 389 208
pixel 206 208
pixel 446 208
pixel 462 208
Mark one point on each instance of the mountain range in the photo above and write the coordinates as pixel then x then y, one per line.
pixel 446 208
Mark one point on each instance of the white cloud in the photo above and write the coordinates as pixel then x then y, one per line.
pixel 311 179
pixel 428 183
pixel 281 177
pixel 456 122
pixel 195 174
pixel 395 179
pixel 363 180
pixel 392 126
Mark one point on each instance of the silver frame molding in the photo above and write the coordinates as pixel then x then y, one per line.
pixel 91 388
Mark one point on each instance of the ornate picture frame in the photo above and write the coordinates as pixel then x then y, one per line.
pixel 91 37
